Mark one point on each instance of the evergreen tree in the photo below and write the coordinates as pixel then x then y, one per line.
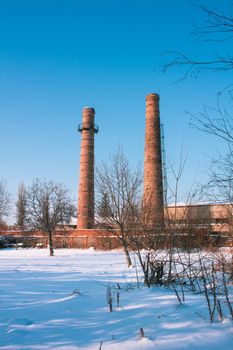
pixel 104 209
pixel 21 205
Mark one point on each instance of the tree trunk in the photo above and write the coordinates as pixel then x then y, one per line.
pixel 51 250
pixel 127 256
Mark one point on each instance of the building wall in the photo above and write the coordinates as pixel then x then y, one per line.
pixel 216 217
pixel 201 218
pixel 68 238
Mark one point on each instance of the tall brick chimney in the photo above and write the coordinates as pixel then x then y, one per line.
pixel 153 179
pixel 86 175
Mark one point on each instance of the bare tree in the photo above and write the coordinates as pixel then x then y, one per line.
pixel 156 247
pixel 219 188
pixel 217 27
pixel 118 189
pixel 217 120
pixel 47 205
pixel 4 201
pixel 21 205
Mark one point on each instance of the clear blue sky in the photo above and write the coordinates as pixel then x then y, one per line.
pixel 58 56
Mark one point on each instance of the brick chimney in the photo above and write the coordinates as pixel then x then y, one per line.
pixel 153 178
pixel 86 175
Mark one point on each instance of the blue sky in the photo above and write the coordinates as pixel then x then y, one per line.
pixel 57 57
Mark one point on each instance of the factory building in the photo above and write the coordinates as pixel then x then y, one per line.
pixel 212 219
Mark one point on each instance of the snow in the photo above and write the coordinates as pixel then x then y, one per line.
pixel 60 303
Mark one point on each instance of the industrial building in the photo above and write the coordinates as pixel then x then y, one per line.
pixel 212 219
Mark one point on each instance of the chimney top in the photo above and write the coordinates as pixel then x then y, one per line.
pixel 152 96
pixel 89 109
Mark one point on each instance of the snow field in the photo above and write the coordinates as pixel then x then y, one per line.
pixel 60 303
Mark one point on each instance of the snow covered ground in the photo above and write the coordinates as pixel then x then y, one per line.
pixel 60 303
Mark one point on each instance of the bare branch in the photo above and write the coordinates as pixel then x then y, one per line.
pixel 217 27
